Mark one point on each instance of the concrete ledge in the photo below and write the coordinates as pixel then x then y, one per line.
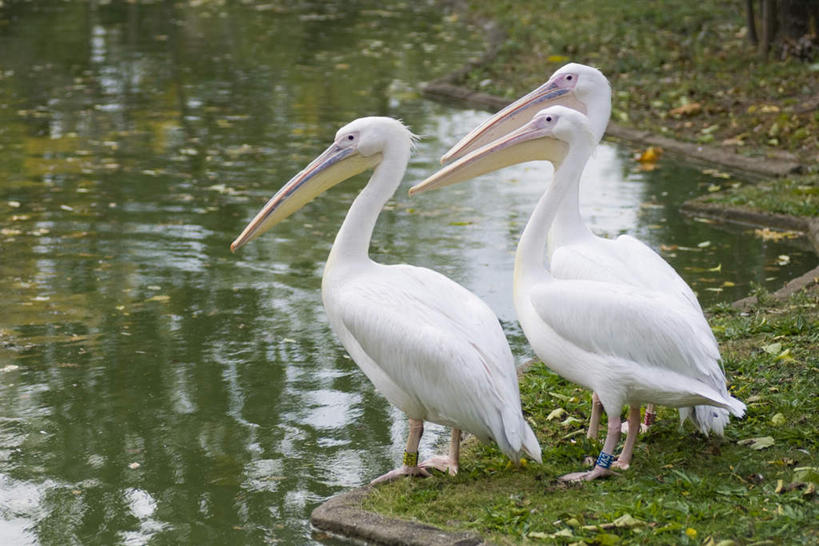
pixel 343 515
pixel 803 282
pixel 745 216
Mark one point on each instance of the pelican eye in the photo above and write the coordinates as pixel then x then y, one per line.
pixel 548 118
pixel 569 77
pixel 350 137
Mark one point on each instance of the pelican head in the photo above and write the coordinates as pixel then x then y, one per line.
pixel 358 146
pixel 576 86
pixel 547 136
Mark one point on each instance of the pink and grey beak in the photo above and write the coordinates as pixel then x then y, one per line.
pixel 514 116
pixel 531 142
pixel 336 164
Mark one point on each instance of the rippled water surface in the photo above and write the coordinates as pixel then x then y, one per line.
pixel 155 387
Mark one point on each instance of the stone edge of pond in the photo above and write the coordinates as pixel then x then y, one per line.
pixel 343 516
pixel 443 89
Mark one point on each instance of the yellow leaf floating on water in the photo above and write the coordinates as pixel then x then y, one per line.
pixel 161 299
pixel 767 234
pixel 716 174
pixel 783 259
pixel 650 155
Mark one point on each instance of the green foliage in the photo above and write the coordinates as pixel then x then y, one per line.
pixel 660 56
pixel 682 488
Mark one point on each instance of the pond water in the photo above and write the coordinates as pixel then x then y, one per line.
pixel 155 387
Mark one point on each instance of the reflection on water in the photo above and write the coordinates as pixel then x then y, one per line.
pixel 152 385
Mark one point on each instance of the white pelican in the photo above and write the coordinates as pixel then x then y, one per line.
pixel 430 346
pixel 574 251
pixel 629 344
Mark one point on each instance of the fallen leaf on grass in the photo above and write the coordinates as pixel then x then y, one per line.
pixel 565 533
pixel 689 109
pixel 569 421
pixel 624 521
pixel 757 443
pixel 778 420
pixel 806 474
pixel 785 355
pixel 773 348
pixel 763 108
pixel 555 414
pixel 725 542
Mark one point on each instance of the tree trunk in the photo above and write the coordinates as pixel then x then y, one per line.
pixel 749 11
pixel 768 22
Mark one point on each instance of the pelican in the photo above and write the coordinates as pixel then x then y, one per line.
pixel 575 252
pixel 431 347
pixel 629 344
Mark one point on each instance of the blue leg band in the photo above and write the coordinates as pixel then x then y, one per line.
pixel 604 460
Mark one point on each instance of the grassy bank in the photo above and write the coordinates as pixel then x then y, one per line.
pixel 683 488
pixel 682 69
pixel 795 196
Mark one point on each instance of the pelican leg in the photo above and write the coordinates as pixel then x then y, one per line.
pixel 624 460
pixel 447 463
pixel 601 468
pixel 648 420
pixel 594 420
pixel 410 466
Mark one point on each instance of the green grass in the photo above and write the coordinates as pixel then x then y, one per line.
pixel 660 56
pixel 682 488
pixel 796 196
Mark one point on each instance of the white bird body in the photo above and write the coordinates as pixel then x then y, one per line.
pixel 574 251
pixel 430 346
pixel 628 343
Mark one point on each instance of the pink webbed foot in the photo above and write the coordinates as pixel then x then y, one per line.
pixel 593 474
pixel 404 470
pixel 442 463
pixel 620 465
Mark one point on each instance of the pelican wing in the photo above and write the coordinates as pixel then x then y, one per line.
pixel 624 260
pixel 654 272
pixel 631 323
pixel 436 341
